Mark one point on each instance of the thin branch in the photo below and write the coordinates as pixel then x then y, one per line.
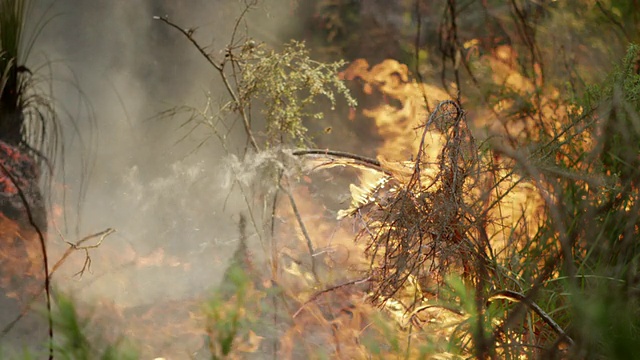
pixel 343 154
pixel 361 160
pixel 220 67
pixel 434 115
pixel 548 268
pixel 417 54
pixel 554 208
pixel 27 307
pixel 77 246
pixel 332 288
pixel 514 296
pixel 188 33
pixel 303 228
pixel 440 306
pixel 456 55
pixel 246 9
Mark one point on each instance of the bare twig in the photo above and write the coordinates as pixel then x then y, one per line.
pixel 188 33
pixel 554 208
pixel 78 246
pixel 358 159
pixel 332 288
pixel 246 9
pixel 433 117
pixel 514 296
pixel 417 54
pixel 418 221
pixel 440 306
pixel 303 228
pixel 56 266
pixel 450 47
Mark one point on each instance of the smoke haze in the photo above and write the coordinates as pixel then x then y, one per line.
pixel 114 69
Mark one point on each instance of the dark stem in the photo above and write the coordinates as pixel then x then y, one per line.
pixel 362 160
pixel 514 296
pixel 332 288
pixel 43 247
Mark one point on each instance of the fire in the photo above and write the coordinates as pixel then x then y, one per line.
pixel 396 124
pixel 21 261
pixel 329 304
pixel 508 210
pixel 336 311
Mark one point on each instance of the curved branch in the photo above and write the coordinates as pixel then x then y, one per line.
pixel 361 160
pixel 514 296
pixel 188 33
pixel 332 288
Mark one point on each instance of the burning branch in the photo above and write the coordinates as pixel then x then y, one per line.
pixel 420 222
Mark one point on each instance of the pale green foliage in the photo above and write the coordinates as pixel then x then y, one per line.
pixel 287 83
pixel 73 343
pixel 226 320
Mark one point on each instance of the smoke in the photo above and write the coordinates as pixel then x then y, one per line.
pixel 113 70
pixel 140 180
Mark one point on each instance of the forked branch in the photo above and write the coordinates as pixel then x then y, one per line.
pixel 240 106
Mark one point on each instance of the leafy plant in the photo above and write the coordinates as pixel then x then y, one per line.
pixel 27 115
pixel 288 84
pixel 77 339
pixel 284 84
pixel 28 128
pixel 72 340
